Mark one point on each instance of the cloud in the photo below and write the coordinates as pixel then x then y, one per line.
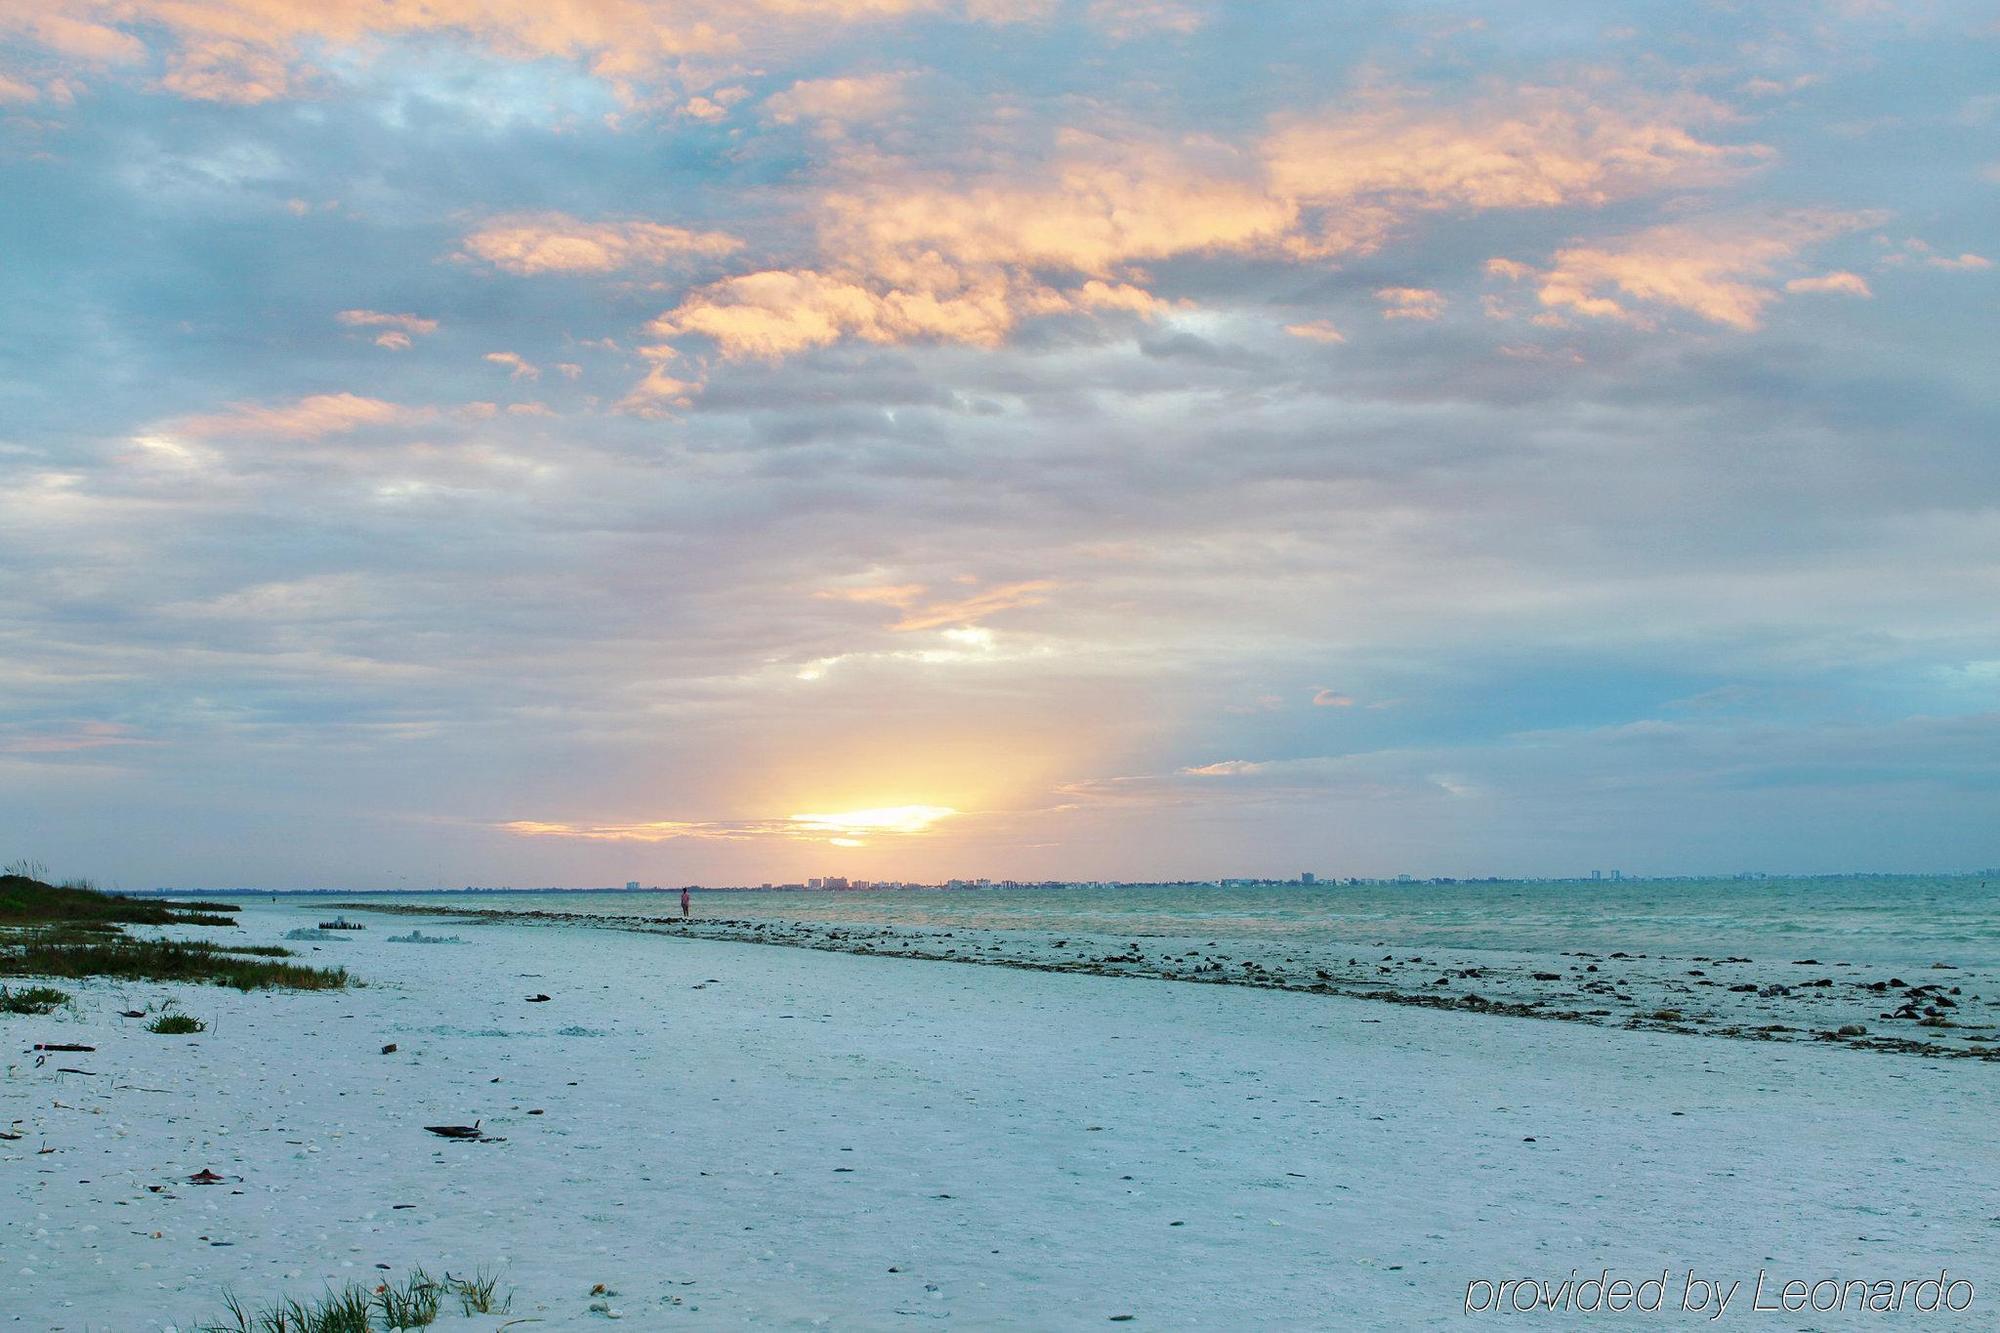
pixel 662 388
pixel 966 611
pixel 531 243
pixel 76 37
pixel 1719 269
pixel 71 739
pixel 1124 20
pixel 1318 330
pixel 306 418
pixel 908 256
pixel 848 100
pixel 1846 284
pixel 843 827
pixel 397 330
pixel 1410 303
pixel 1522 148
pixel 959 612
pixel 519 369
pixel 1332 699
pixel 890 594
pixel 771 315
pixel 252 51
pixel 1227 768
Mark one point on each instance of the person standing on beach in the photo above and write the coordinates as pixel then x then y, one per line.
pixel 684 902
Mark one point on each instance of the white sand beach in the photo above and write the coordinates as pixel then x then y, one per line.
pixel 723 1134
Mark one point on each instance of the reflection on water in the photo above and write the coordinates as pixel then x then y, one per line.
pixel 1896 920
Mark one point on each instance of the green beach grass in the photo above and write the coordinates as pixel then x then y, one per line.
pixel 72 930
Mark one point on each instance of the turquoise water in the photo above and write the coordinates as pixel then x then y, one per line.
pixel 1894 920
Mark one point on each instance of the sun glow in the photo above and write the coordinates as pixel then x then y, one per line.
pixel 885 819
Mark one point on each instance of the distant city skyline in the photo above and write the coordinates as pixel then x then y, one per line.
pixel 1131 439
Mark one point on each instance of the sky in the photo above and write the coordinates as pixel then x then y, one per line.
pixel 729 441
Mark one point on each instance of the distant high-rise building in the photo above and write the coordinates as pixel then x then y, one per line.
pixel 835 881
pixel 815 883
pixel 631 886
pixel 1307 877
pixel 1597 874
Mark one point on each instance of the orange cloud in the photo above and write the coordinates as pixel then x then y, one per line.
pixel 907 258
pixel 79 38
pixel 903 820
pixel 1105 204
pixel 1332 699
pixel 1410 303
pixel 530 243
pixel 307 418
pixel 249 51
pixel 396 329
pixel 1719 270
pixel 520 369
pixel 969 610
pixel 840 101
pixel 364 319
pixel 893 594
pixel 959 612
pixel 1527 148
pixel 1125 19
pixel 1318 330
pixel 661 388
pixel 1850 284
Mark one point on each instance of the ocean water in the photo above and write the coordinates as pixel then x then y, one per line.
pixel 1897 921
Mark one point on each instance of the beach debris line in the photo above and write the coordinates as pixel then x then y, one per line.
pixel 341 923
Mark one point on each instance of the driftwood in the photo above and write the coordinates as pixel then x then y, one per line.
pixel 61 1046
pixel 470 1131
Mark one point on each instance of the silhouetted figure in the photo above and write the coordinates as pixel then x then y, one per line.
pixel 684 903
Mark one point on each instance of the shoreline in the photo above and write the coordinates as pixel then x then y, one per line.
pixel 1782 1005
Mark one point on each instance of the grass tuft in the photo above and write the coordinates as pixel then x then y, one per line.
pixel 32 1000
pixel 414 1304
pixel 176 1025
pixel 161 960
pixel 477 1294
